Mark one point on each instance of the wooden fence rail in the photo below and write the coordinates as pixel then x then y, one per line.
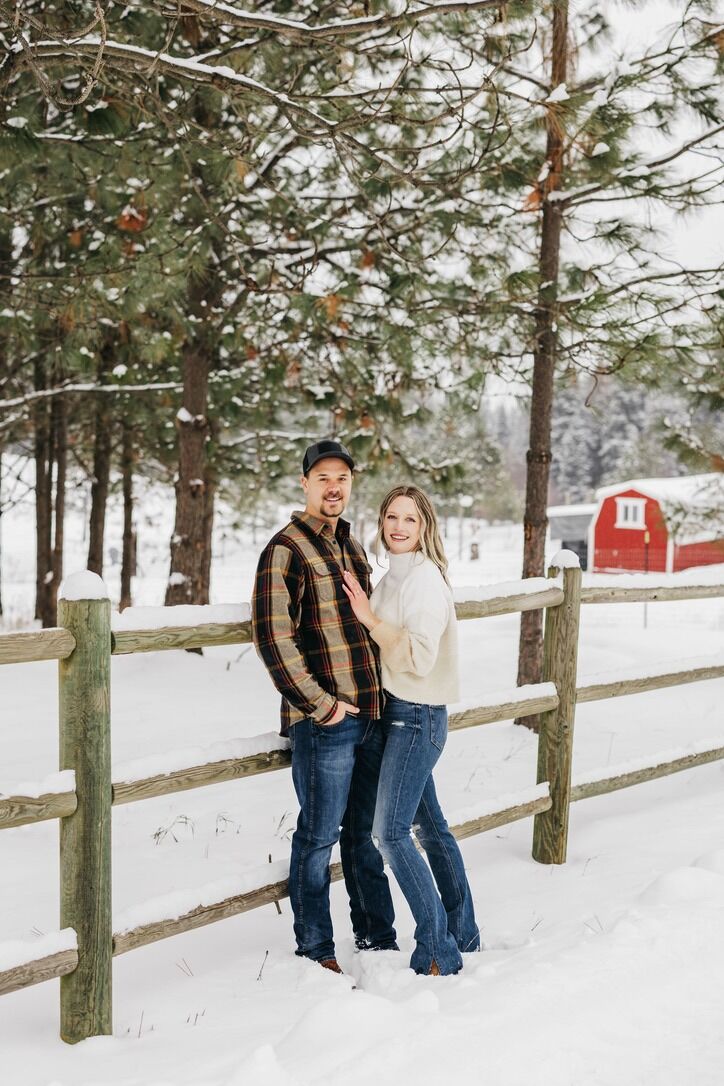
pixel 627 778
pixel 24 810
pixel 25 648
pixel 37 970
pixel 58 643
pixel 666 593
pixel 622 687
pixel 21 810
pixel 84 644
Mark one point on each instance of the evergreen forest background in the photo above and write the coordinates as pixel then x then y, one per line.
pixel 447 233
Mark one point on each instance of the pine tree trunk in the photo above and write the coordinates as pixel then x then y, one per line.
pixel 6 263
pixel 191 541
pixel 1 532
pixel 128 559
pixel 59 422
pixel 101 468
pixel 538 457
pixel 208 534
pixel 211 481
pixel 188 579
pixel 43 564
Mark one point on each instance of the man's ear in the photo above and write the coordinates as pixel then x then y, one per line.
pixel 305 483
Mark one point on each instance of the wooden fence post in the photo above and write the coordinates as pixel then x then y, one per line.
pixel 555 739
pixel 85 836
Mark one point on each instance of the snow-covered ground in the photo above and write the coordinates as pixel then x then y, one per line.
pixel 604 971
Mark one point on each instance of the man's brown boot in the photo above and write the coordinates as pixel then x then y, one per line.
pixel 434 971
pixel 332 964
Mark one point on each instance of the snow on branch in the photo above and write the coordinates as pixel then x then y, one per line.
pixel 709 277
pixel 307 122
pixel 304 32
pixel 150 61
pixel 88 386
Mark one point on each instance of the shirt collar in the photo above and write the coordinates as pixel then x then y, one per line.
pixel 318 525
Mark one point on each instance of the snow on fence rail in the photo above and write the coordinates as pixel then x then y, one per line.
pixel 84 645
pixel 186 910
pixel 207 626
pixel 23 962
pixel 152 629
pixel 53 797
pixel 179 771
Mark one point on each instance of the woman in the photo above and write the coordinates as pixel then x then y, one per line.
pixel 411 617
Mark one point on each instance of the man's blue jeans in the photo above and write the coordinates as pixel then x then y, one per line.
pixel 445 922
pixel 335 769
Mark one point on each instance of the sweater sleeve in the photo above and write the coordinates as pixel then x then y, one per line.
pixel 414 646
pixel 278 589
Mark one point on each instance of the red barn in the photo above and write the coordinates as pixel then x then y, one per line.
pixel 659 525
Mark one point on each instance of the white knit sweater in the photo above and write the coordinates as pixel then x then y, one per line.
pixel 417 634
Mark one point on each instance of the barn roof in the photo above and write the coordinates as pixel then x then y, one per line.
pixel 693 505
pixel 582 509
pixel 685 489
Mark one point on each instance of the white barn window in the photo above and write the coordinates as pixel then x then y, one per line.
pixel 631 513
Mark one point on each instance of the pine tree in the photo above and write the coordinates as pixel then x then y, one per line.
pixel 398 203
pixel 244 223
pixel 560 268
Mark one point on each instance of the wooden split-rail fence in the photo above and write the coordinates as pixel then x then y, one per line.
pixel 84 644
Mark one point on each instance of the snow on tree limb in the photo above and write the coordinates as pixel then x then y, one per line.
pixel 304 32
pixel 308 122
pixel 149 61
pixel 86 387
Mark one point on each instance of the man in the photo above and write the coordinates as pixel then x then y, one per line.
pixel 325 666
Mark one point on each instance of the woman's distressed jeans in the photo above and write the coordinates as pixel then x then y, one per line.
pixel 445 921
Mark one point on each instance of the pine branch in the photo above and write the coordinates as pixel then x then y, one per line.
pixel 149 62
pixel 302 32
pixel 654 277
pixel 581 195
pixel 309 124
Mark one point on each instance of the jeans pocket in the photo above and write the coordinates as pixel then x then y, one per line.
pixel 438 725
pixel 329 729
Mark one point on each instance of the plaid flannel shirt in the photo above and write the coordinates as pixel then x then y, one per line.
pixel 315 650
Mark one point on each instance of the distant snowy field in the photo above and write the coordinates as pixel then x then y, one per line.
pixel 604 972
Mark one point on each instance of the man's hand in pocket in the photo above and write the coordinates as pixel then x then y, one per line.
pixel 343 707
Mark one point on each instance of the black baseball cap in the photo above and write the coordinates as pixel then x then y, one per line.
pixel 326 450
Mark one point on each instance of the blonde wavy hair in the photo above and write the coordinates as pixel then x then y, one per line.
pixel 430 542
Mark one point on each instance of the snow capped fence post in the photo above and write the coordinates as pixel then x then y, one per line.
pixel 85 836
pixel 555 740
